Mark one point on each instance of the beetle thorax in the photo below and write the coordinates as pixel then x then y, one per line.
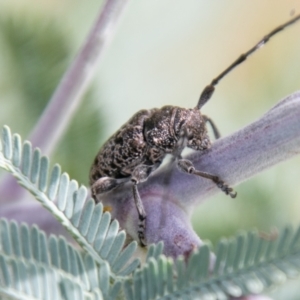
pixel 171 127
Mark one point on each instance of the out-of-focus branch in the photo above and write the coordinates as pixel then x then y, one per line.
pixel 68 95
pixel 74 83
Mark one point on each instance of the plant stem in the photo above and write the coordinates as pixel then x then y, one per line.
pixel 169 196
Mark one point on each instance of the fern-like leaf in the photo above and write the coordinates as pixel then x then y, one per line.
pixel 24 279
pixel 56 255
pixel 31 245
pixel 246 264
pixel 88 224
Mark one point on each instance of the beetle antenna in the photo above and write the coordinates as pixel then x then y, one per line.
pixel 208 91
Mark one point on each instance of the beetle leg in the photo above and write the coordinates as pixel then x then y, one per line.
pixel 105 184
pixel 141 174
pixel 188 167
pixel 142 214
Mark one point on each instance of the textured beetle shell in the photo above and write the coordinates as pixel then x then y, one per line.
pixel 123 151
pixel 146 139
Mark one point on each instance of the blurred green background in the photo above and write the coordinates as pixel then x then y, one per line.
pixel 164 52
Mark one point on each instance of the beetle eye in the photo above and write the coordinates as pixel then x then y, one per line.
pixel 190 136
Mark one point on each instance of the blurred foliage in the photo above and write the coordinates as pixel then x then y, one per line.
pixel 39 54
pixel 35 52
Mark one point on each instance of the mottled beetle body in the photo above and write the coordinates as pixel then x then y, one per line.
pixel 146 139
pixel 138 148
pixel 140 145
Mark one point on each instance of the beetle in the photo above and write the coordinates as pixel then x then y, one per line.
pixel 138 148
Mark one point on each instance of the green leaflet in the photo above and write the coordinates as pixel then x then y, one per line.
pixel 80 216
pixel 246 264
pixel 44 255
pixel 30 280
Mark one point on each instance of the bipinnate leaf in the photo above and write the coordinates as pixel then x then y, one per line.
pixel 69 203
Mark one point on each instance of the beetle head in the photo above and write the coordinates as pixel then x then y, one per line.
pixel 195 131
